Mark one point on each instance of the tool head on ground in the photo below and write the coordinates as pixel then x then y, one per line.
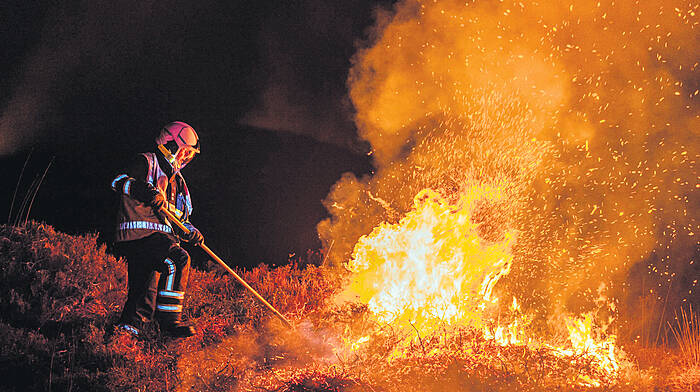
pixel 179 143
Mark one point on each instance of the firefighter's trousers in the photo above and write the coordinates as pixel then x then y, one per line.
pixel 158 272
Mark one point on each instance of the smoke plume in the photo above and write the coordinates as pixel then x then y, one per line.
pixel 584 113
pixel 305 65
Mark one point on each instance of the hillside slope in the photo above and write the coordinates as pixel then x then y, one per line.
pixel 61 293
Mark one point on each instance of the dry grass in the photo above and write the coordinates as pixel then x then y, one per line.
pixel 687 335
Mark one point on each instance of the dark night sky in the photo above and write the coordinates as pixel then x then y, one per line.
pixel 89 83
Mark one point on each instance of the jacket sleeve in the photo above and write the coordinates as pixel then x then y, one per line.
pixel 132 182
pixel 189 225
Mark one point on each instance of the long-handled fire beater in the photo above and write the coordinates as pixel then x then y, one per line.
pixel 259 297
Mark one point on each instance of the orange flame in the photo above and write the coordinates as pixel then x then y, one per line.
pixel 431 267
pixel 586 111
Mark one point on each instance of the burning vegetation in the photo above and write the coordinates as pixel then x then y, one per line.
pixel 535 174
pixel 529 226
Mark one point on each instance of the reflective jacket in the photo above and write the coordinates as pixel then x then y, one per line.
pixel 136 218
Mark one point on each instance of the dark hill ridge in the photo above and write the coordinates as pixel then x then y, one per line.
pixel 257 193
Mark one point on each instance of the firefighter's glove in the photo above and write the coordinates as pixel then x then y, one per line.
pixel 195 237
pixel 157 201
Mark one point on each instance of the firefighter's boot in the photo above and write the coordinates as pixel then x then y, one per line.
pixel 171 293
pixel 176 328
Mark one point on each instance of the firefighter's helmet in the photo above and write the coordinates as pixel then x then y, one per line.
pixel 179 143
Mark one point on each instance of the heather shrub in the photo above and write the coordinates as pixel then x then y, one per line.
pixel 58 294
pixel 52 278
pixel 24 355
pixel 220 305
pixel 61 294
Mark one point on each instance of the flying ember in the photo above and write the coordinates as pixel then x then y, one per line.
pixel 527 156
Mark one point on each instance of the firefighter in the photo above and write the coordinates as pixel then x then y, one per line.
pixel 158 268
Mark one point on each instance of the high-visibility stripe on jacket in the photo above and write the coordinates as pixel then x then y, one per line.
pixel 138 220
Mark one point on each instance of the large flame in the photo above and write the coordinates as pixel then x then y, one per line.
pixel 432 267
pixel 587 109
pixel 575 124
pixel 584 111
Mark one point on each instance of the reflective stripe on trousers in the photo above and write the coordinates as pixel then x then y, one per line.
pixel 169 308
pixel 170 300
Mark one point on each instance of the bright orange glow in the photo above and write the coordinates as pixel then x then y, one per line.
pixel 527 156
pixel 432 267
